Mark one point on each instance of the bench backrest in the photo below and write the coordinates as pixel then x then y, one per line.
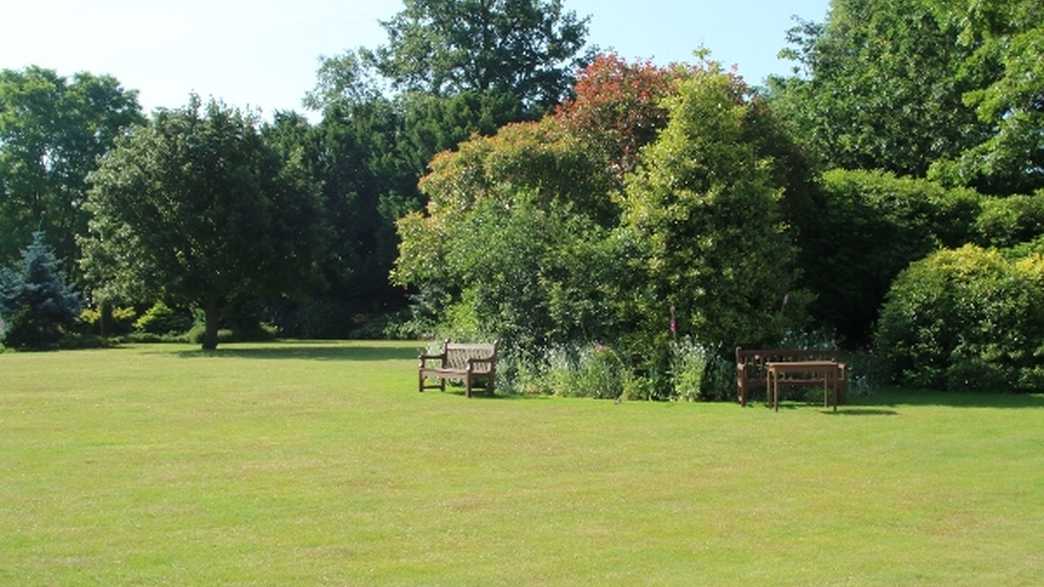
pixel 457 355
pixel 755 359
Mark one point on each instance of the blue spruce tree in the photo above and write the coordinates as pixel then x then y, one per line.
pixel 36 302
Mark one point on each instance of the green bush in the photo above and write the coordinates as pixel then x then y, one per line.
pixel 969 318
pixel 73 341
pixel 162 319
pixel 148 337
pixel 870 225
pixel 1006 222
pixel 688 366
pixel 198 331
pixel 122 320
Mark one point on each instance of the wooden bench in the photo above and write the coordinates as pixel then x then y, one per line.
pixel 469 363
pixel 751 373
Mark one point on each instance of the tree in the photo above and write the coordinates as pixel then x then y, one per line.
pixel 705 206
pixel 867 227
pixel 52 131
pixel 199 210
pixel 1006 39
pixel 618 108
pixel 880 87
pixel 36 302
pixel 950 88
pixel 527 48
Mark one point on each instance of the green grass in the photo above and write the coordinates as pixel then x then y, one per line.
pixel 320 463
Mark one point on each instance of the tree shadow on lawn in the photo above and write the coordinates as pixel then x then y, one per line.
pixel 889 402
pixel 304 352
pixel 860 412
pixel 897 398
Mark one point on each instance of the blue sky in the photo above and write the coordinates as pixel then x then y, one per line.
pixel 263 53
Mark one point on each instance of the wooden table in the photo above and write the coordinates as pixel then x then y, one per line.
pixel 829 373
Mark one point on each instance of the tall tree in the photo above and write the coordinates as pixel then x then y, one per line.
pixel 200 210
pixel 1005 66
pixel 528 48
pixel 36 301
pixel 879 88
pixel 951 88
pixel 52 131
pixel 705 204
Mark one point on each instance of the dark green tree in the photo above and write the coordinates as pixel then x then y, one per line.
pixel 526 48
pixel 954 89
pixel 198 209
pixel 878 87
pixel 52 131
pixel 36 302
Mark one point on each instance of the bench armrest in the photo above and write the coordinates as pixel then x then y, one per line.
pixel 424 357
pixel 472 361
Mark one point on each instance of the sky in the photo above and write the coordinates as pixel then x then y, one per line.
pixel 263 53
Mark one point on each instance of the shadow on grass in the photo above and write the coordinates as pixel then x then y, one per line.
pixel 890 402
pixel 897 398
pixel 860 412
pixel 304 352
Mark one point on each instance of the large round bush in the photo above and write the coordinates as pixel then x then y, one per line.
pixel 969 318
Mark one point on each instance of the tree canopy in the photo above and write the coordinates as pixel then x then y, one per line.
pixel 52 131
pixel 197 208
pixel 527 48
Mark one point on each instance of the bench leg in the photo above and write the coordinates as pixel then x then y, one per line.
pixel 420 382
pixel 467 386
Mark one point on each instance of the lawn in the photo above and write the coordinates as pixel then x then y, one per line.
pixel 319 462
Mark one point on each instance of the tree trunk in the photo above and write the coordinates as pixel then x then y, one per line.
pixel 105 318
pixel 212 316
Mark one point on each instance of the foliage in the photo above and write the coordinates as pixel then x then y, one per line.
pixel 1006 222
pixel 1006 40
pixel 52 130
pixel 581 370
pixel 948 88
pixel 868 227
pixel 618 108
pixel 198 209
pixel 527 48
pixel 531 275
pixel 36 302
pixel 878 88
pixel 967 319
pixel 162 319
pixel 688 364
pixel 705 206
pixel 121 321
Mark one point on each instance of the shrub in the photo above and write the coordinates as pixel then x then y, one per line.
pixel 1006 222
pixel 196 334
pixel 73 341
pixel 966 319
pixel 162 319
pixel 869 226
pixel 37 304
pixel 122 321
pixel 688 365
pixel 590 371
pixel 719 379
